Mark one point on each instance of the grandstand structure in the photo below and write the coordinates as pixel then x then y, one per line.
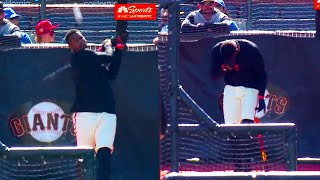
pixel 98 24
pixel 267 15
pixel 98 21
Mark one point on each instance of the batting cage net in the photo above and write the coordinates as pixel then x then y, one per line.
pixel 194 141
pixel 205 149
pixel 47 163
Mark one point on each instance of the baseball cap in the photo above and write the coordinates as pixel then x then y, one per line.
pixel 220 2
pixel 44 27
pixel 10 13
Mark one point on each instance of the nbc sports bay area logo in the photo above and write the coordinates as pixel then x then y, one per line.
pixel 45 122
pixel 135 11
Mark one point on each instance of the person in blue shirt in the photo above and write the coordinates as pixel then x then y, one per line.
pixel 163 24
pixel 13 17
pixel 221 6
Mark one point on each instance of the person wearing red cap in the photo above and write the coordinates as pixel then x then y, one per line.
pixel 45 31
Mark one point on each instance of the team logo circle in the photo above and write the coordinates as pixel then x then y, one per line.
pixel 45 121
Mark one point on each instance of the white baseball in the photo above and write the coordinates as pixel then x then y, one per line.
pixel 46 135
pixel 77 14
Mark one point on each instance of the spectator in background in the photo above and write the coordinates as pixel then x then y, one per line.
pixel 45 31
pixel 163 30
pixel 6 27
pixel 13 17
pixel 164 14
pixel 206 15
pixel 220 5
pixel 163 24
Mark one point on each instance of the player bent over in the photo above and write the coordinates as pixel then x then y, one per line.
pixel 94 106
pixel 241 64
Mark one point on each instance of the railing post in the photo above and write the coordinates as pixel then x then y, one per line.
pixel 122 25
pixel 291 164
pixel 317 35
pixel 173 58
pixel 249 15
pixel 42 9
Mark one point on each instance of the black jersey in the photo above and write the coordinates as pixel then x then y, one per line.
pixel 91 72
pixel 250 71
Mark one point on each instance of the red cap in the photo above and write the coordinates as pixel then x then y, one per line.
pixel 44 27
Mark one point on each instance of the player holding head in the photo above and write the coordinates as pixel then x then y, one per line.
pixel 241 63
pixel 94 106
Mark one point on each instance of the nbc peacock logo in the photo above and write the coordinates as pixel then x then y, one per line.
pixel 122 9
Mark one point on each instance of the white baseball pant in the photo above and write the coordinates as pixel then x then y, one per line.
pixel 95 129
pixel 239 103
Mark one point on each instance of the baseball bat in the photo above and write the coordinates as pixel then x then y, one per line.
pixel 55 73
pixel 262 150
pixel 263 153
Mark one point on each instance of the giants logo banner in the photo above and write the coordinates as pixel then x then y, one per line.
pixel 43 122
pixel 135 12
